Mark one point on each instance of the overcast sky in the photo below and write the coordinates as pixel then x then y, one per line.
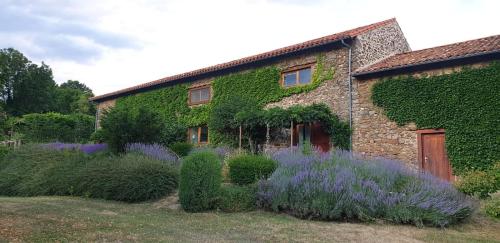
pixel 114 44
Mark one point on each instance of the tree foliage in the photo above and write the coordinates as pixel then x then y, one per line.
pixel 26 87
pixel 72 97
pixel 52 127
pixel 121 126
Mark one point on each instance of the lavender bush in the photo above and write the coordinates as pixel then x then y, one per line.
pixel 85 148
pixel 337 185
pixel 155 151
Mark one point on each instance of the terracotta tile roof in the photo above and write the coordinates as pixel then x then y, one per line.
pixel 251 59
pixel 464 49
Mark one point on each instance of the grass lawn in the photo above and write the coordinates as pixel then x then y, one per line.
pixel 77 219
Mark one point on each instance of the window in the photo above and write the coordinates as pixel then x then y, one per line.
pixel 304 132
pixel 199 95
pixel 198 135
pixel 297 77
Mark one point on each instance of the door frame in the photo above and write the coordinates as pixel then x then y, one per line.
pixel 420 150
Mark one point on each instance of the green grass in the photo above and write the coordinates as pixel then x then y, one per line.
pixel 75 219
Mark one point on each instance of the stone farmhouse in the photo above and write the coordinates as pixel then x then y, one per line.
pixel 360 57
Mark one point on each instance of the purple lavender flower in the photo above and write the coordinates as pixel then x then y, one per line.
pixel 155 151
pixel 93 148
pixel 85 148
pixel 339 185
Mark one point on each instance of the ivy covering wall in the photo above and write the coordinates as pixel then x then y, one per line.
pixel 260 86
pixel 466 104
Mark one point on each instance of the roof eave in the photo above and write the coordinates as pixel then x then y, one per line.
pixel 332 43
pixel 434 64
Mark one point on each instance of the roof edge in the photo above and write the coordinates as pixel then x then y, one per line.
pixel 276 53
pixel 427 65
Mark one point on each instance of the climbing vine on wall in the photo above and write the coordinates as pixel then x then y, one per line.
pixel 466 104
pixel 261 86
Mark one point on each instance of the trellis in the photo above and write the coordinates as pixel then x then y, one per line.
pixel 277 117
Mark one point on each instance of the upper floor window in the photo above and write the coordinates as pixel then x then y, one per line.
pixel 199 95
pixel 296 77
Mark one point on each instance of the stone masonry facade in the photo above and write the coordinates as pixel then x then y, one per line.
pixel 367 49
pixel 101 107
pixel 375 135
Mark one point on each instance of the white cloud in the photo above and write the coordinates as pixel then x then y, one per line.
pixel 170 37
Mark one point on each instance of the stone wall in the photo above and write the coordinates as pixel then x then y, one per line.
pixel 101 107
pixel 378 44
pixel 375 135
pixel 334 92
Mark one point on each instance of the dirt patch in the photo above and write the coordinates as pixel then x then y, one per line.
pixel 170 202
pixel 108 213
pixel 13 228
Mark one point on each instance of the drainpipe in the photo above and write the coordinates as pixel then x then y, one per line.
pixel 349 80
pixel 96 118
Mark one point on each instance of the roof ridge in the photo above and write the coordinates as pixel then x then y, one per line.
pixel 483 45
pixel 351 33
pixel 451 44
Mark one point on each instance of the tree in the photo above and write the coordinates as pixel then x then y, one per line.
pixel 76 85
pixel 122 125
pixel 72 97
pixel 25 86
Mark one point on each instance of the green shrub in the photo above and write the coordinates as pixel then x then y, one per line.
pixel 247 169
pixel 200 181
pixel 479 183
pixel 33 170
pixel 181 148
pixel 97 136
pixel 492 207
pixel 234 198
pixel 122 125
pixel 4 150
pixel 51 127
pixel 129 178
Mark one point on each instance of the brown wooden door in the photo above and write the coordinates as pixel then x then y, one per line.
pixel 432 153
pixel 319 137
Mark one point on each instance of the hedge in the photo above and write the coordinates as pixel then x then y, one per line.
pixel 34 170
pixel 51 127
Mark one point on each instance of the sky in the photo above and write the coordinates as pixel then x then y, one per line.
pixel 115 44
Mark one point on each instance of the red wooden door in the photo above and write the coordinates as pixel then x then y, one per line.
pixel 432 153
pixel 319 137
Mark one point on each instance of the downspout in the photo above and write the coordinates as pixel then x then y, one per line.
pixel 96 118
pixel 349 80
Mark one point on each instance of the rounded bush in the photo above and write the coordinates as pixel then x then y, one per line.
pixel 247 169
pixel 181 148
pixel 34 170
pixel 234 198
pixel 200 181
pixel 492 207
pixel 479 183
pixel 97 136
pixel 129 178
